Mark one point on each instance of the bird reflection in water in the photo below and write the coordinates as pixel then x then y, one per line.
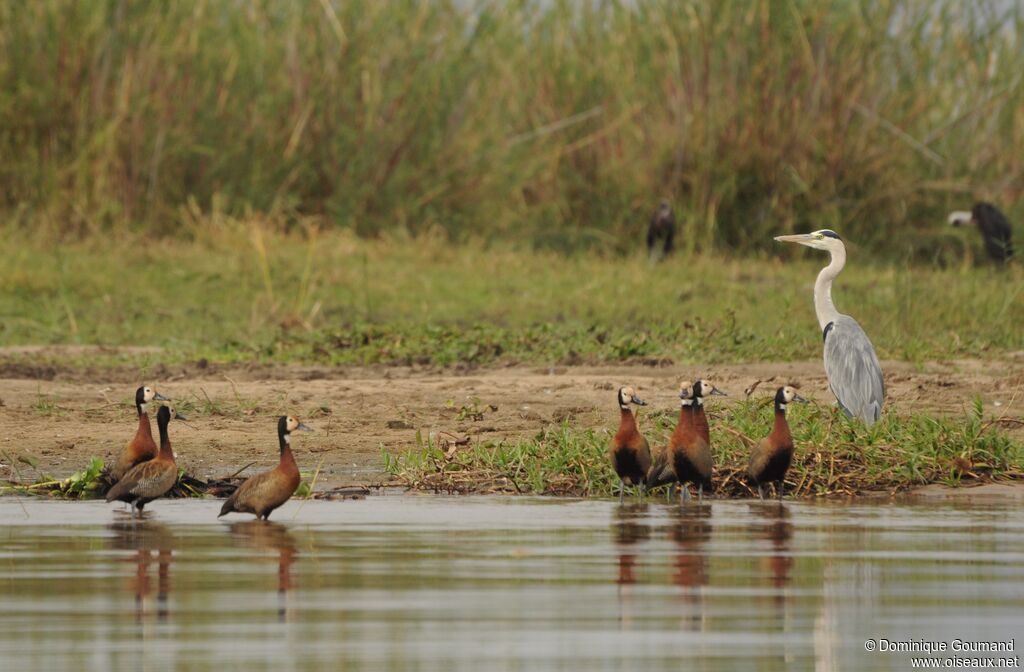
pixel 150 540
pixel 630 528
pixel 771 523
pixel 690 531
pixel 266 535
pixel 779 531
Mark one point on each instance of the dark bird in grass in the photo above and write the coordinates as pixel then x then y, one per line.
pixel 149 480
pixel 630 453
pixel 142 447
pixel 264 492
pixel 771 457
pixel 661 232
pixel 687 457
pixel 994 228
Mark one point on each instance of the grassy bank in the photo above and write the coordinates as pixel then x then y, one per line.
pixel 560 123
pixel 834 456
pixel 244 293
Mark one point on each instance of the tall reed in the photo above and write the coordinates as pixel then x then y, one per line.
pixel 557 122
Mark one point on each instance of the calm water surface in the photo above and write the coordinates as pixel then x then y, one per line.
pixel 432 583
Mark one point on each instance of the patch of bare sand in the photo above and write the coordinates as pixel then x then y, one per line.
pixel 78 413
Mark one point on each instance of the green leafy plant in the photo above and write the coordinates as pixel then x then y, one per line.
pixel 834 456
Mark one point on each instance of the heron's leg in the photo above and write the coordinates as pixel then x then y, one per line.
pixel 782 489
pixel 684 493
pixel 700 493
pixel 760 491
pixel 622 491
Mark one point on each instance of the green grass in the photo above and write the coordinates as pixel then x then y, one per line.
pixel 834 456
pixel 561 123
pixel 241 293
pixel 94 481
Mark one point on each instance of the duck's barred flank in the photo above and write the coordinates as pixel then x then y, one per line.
pixel 152 479
pixel 142 447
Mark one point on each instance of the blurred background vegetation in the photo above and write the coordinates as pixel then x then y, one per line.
pixel 553 124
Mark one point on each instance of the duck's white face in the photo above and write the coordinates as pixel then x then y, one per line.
pixel 786 395
pixel 148 393
pixel 686 392
pixel 174 413
pixel 705 388
pixel 627 396
pixel 291 423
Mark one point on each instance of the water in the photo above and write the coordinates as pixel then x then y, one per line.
pixel 433 583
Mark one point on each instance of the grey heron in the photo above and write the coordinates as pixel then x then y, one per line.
pixel 661 232
pixel 994 228
pixel 851 364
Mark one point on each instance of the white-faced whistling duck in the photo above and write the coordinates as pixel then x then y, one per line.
pixel 630 453
pixel 264 492
pixel 687 458
pixel 771 457
pixel 142 447
pixel 661 472
pixel 149 480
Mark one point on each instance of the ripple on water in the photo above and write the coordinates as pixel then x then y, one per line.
pixel 446 583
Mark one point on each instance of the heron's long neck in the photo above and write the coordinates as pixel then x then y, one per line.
pixel 823 305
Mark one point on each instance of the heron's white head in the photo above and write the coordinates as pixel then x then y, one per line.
pixel 822 239
pixel 627 395
pixel 960 218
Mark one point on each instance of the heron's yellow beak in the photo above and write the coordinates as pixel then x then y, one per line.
pixel 802 238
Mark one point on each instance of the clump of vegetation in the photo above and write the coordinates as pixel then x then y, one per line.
pixel 835 456
pixel 90 482
pixel 560 123
pixel 94 481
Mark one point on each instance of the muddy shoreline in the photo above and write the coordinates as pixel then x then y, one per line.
pixel 62 418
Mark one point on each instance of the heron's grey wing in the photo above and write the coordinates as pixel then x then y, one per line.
pixel 853 371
